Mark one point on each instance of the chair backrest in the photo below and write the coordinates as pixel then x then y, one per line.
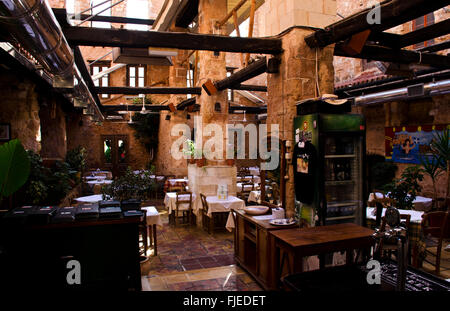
pixel 436 224
pixel 405 217
pixel 246 187
pixel 182 198
pixel 204 203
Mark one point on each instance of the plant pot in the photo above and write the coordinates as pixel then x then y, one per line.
pixel 191 161
pixel 201 162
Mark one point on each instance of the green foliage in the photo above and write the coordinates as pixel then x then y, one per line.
pixel 130 186
pixel 441 146
pixel 45 186
pixel 146 128
pixel 404 190
pixel 14 167
pixel 431 166
pixel 76 158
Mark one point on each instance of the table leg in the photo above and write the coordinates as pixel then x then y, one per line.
pixel 149 233
pixel 154 240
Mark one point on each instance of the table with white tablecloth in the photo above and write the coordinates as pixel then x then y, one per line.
pixel 216 205
pixel 101 182
pixel 171 198
pixel 152 219
pixel 420 203
pixel 90 198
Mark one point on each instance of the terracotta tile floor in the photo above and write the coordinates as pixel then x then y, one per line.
pixel 190 259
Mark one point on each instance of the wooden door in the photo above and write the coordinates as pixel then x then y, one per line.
pixel 114 153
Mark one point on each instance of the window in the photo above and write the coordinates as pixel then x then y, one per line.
pixel 104 80
pixel 422 22
pixel 190 78
pixel 137 9
pixel 136 75
pixel 105 10
pixel 230 92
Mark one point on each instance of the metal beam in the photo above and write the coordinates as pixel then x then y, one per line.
pixel 148 90
pixel 392 13
pixel 85 36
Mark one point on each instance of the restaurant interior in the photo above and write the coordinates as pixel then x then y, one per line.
pixel 225 145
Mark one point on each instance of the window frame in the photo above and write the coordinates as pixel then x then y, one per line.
pixel 101 64
pixel 137 66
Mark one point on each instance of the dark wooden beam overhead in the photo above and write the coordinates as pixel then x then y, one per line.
pixel 436 47
pixel 392 13
pixel 87 36
pixel 62 13
pixel 147 90
pixel 187 14
pixel 252 88
pixel 254 69
pixel 421 35
pixel 81 65
pixel 186 103
pixel 373 52
pixel 115 108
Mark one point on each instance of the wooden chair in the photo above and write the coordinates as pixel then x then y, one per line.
pixel 246 188
pixel 183 205
pixel 390 248
pixel 216 221
pixel 436 225
pixel 143 237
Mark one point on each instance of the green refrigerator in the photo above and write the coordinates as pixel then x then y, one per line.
pixel 334 190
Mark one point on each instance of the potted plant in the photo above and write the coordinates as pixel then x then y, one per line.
pixel 405 189
pixel 190 151
pixel 14 168
pixel 432 167
pixel 441 146
pixel 200 158
pixel 76 158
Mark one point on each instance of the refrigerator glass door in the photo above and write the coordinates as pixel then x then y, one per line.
pixel 343 179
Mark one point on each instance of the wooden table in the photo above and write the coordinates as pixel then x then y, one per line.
pixel 292 245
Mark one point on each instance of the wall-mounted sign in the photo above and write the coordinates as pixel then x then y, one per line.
pixel 407 144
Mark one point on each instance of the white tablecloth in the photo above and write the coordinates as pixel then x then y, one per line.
pixel 256 179
pixel 171 198
pixel 153 217
pixel 416 216
pixel 420 203
pixel 102 182
pixel 215 205
pixel 95 177
pixel 173 181
pixel 90 198
pixel 254 170
pixel 254 196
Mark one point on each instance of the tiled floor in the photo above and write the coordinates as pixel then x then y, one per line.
pixel 190 259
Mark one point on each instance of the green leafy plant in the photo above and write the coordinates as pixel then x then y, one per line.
pixel 76 158
pixel 441 146
pixel 14 167
pixel 130 186
pixel 404 190
pixel 45 186
pixel 432 167
pixel 146 127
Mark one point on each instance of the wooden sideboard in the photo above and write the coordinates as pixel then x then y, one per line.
pixel 254 248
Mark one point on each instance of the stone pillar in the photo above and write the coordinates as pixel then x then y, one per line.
pixel 296 81
pixel 211 66
pixel 53 130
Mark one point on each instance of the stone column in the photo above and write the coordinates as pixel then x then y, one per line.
pixel 53 130
pixel 211 66
pixel 296 81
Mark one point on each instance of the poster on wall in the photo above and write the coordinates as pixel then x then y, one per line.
pixel 407 144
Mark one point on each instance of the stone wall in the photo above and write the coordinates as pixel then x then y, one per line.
pixel 294 82
pixel 20 108
pixel 81 131
pixel 53 129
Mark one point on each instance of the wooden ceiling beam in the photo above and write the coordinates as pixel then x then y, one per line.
pixel 421 35
pixel 373 52
pixel 116 108
pixel 254 69
pixel 251 88
pixel 436 47
pixel 87 36
pixel 392 13
pixel 147 90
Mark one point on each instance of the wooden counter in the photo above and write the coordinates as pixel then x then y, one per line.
pixel 254 248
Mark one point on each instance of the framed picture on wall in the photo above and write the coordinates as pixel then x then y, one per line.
pixel 5 132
